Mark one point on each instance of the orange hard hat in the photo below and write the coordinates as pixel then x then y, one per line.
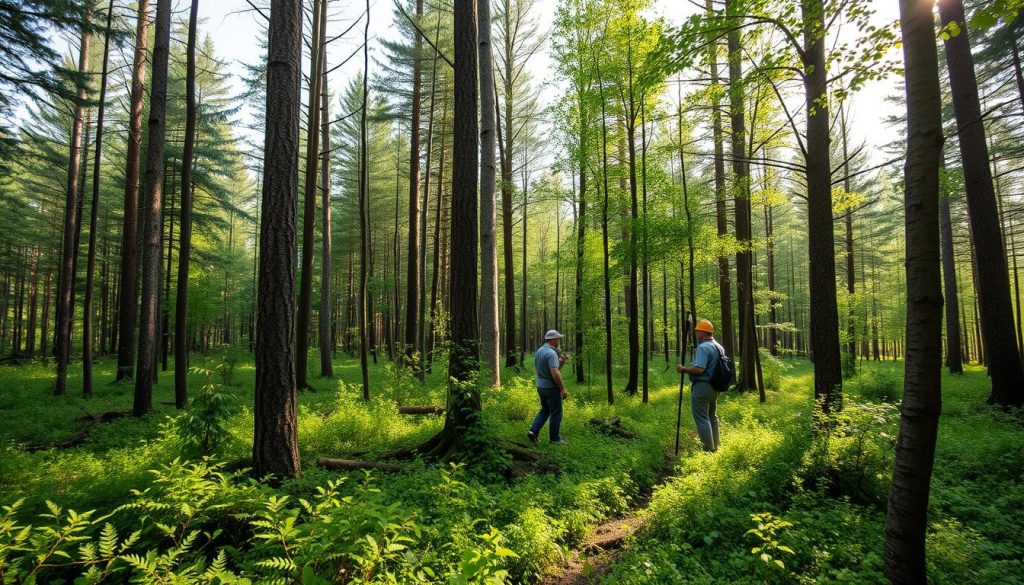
pixel 705 325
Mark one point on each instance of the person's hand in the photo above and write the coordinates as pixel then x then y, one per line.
pixel 562 359
pixel 681 368
pixel 565 394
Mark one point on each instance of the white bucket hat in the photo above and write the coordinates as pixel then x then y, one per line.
pixel 552 334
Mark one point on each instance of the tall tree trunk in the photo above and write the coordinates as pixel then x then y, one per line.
pixel 995 305
pixel 506 199
pixel 645 268
pixel 309 201
pixel 828 375
pixel 65 309
pixel 185 246
pixel 412 292
pixel 33 301
pixel 128 300
pixel 364 213
pixel 851 289
pixel 727 336
pixel 907 516
pixel 747 379
pixel 90 269
pixel 275 448
pixel 953 347
pixel 422 319
pixel 153 194
pixel 438 241
pixel 489 334
pixel 463 411
pixel 326 326
pixel 604 239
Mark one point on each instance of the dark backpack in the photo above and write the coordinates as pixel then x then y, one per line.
pixel 722 374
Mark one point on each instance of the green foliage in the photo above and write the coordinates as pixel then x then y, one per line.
pixel 773 369
pixel 203 426
pixel 765 534
pixel 876 386
pixel 483 564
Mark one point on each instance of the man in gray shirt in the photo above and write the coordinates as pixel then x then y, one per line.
pixel 550 388
pixel 703 397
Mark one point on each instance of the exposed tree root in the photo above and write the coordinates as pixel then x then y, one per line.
pixel 613 426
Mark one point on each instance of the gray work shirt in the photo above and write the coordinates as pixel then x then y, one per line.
pixel 543 360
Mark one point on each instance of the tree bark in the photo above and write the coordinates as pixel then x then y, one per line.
pixel 364 215
pixel 604 239
pixel 994 302
pixel 412 310
pixel 954 360
pixel 275 448
pixel 128 301
pixel 489 329
pixel 907 516
pixel 65 309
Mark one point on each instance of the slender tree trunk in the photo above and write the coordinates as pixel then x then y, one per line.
pixel 90 270
pixel 581 235
pixel 645 268
pixel 364 213
pixel 506 200
pixel 953 347
pixel 995 305
pixel 438 241
pixel 128 301
pixel 65 309
pixel 604 240
pixel 489 334
pixel 907 517
pixel 422 320
pixel 851 323
pixel 828 376
pixel 185 246
pixel 326 316
pixel 309 201
pixel 412 312
pixel 275 448
pixel 33 302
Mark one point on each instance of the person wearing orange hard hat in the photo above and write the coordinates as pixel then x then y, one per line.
pixel 703 397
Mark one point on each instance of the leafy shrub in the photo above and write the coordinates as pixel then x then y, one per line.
pixel 484 563
pixel 877 385
pixel 852 452
pixel 534 536
pixel 773 369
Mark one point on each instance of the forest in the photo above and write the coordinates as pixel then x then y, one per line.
pixel 283 284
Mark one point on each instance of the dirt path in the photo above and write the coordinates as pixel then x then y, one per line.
pixel 594 558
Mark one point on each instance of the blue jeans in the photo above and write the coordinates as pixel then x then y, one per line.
pixel 550 407
pixel 703 400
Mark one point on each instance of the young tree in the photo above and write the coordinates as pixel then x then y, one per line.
pixel 364 213
pixel 275 448
pixel 907 516
pixel 994 302
pixel 412 290
pixel 145 370
pixel 326 326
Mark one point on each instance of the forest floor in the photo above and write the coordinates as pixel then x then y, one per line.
pixel 617 510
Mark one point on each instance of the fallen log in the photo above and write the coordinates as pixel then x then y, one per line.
pixel 103 416
pixel 352 465
pixel 613 427
pixel 428 409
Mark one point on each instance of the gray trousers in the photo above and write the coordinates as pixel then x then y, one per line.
pixel 703 399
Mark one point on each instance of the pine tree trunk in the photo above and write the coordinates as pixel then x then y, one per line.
pixel 153 191
pixel 185 245
pixel 65 309
pixel 275 448
pixel 953 344
pixel 128 301
pixel 412 293
pixel 90 269
pixel 326 325
pixel 489 329
pixel 364 219
pixel 907 516
pixel 995 305
pixel 309 202
pixel 506 201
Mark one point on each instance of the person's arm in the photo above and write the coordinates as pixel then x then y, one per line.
pixel 556 374
pixel 692 370
pixel 700 362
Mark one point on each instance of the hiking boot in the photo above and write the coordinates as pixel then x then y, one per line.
pixel 532 436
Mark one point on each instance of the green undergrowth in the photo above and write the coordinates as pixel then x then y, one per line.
pixel 148 505
pixel 778 504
